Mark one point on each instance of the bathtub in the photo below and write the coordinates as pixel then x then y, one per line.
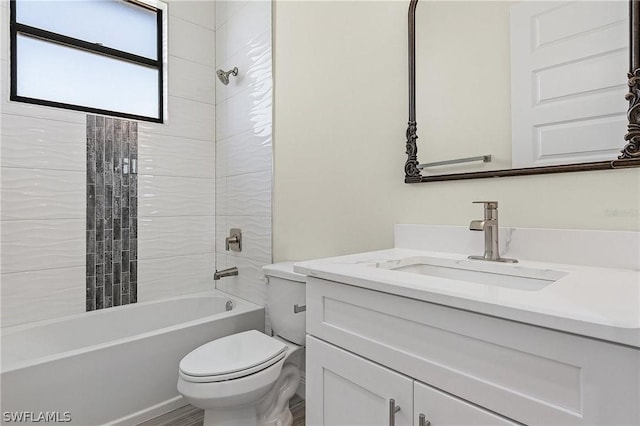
pixel 116 366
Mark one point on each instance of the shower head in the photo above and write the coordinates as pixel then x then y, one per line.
pixel 223 76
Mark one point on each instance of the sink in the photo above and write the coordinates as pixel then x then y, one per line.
pixel 511 276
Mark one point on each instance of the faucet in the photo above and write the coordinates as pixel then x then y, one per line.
pixel 490 227
pixel 229 272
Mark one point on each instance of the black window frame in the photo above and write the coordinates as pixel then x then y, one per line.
pixel 59 39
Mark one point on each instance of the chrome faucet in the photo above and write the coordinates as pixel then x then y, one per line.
pixel 490 227
pixel 229 272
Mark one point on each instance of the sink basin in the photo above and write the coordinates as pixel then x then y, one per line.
pixel 479 272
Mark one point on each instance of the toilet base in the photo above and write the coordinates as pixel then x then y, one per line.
pixel 272 410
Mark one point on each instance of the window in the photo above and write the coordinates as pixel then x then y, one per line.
pixel 99 56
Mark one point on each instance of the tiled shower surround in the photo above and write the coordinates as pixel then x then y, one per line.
pixel 112 225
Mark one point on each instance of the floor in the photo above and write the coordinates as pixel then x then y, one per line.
pixel 192 416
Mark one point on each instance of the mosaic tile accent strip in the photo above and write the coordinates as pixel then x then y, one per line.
pixel 112 212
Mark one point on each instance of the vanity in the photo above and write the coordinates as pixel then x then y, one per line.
pixel 422 335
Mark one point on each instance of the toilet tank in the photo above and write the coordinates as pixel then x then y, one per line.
pixel 285 289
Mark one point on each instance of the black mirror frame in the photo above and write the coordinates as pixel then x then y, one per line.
pixel 630 153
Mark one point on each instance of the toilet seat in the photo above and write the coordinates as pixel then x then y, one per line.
pixel 232 357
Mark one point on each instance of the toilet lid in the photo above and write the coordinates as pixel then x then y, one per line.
pixel 233 355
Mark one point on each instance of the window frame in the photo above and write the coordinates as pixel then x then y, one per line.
pixel 59 39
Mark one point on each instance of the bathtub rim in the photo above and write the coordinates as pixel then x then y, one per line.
pixel 239 306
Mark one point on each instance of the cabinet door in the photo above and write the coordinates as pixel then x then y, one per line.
pixel 344 389
pixel 441 409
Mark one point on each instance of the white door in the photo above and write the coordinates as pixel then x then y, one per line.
pixel 441 409
pixel 344 389
pixel 568 81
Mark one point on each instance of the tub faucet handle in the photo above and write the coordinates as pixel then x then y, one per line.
pixel 234 240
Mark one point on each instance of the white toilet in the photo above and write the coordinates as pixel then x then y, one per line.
pixel 244 379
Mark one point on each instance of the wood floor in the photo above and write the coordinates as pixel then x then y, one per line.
pixel 192 416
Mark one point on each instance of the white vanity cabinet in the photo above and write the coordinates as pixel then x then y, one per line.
pixel 348 390
pixel 440 409
pixel 456 367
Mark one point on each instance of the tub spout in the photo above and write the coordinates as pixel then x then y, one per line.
pixel 229 272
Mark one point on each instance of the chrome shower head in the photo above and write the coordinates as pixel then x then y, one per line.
pixel 224 75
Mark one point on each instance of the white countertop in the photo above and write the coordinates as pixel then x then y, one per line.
pixel 602 303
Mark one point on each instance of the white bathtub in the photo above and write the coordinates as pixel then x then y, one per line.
pixel 113 366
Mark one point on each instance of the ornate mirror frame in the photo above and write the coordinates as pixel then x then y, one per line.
pixel 630 153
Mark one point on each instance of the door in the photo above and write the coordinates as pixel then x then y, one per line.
pixel 568 80
pixel 441 409
pixel 344 389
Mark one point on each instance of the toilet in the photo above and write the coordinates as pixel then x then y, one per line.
pixel 247 379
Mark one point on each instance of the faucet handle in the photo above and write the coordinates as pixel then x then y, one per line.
pixel 487 204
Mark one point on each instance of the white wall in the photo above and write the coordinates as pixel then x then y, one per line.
pixel 43 170
pixel 340 117
pixel 243 144
pixel 176 202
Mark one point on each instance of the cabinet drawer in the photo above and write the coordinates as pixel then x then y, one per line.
pixel 442 409
pixel 534 375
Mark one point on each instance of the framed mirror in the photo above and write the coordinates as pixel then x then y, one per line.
pixel 510 88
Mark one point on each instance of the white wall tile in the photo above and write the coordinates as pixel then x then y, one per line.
pixel 256 237
pixel 187 119
pixel 43 244
pixel 183 146
pixel 221 13
pixel 247 110
pixel 45 144
pixel 249 193
pixel 222 205
pixel 222 231
pixel 247 152
pixel 172 276
pixel 243 144
pixel 250 283
pixel 254 68
pixel 191 41
pixel 31 110
pixel 175 236
pixel 175 196
pixel 221 263
pixel 246 25
pixel 4 38
pixel 221 46
pixel 221 121
pixel 201 12
pixel 38 295
pixel 234 115
pixel 191 80
pixel 221 158
pixel 175 156
pixel 42 194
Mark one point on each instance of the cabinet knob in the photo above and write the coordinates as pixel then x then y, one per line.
pixel 393 409
pixel 422 421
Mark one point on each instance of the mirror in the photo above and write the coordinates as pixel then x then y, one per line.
pixel 505 88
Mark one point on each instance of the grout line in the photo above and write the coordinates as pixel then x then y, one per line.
pixel 250 130
pixel 82 265
pixel 213 30
pixel 41 168
pixel 211 67
pixel 172 176
pixel 41 218
pixel 37 117
pixel 246 173
pixel 196 254
pixel 213 104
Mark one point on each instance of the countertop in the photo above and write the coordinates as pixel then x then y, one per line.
pixel 601 303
